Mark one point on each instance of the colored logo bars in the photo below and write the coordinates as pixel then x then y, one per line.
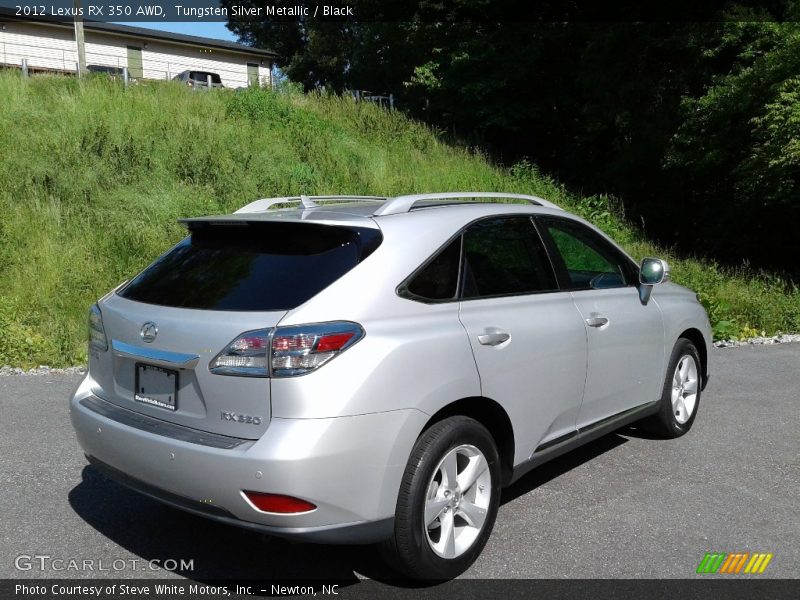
pixel 734 563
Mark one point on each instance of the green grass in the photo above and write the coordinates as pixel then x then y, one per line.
pixel 93 178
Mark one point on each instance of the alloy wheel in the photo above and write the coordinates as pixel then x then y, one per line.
pixel 684 389
pixel 457 501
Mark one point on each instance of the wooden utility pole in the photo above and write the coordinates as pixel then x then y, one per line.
pixel 79 39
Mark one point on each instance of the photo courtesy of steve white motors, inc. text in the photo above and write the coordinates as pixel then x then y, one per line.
pixel 171 11
pixel 170 589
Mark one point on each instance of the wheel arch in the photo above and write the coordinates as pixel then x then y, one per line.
pixel 491 415
pixel 696 337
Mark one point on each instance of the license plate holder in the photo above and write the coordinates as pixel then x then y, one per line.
pixel 156 386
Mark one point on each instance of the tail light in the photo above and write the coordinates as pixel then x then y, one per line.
pixel 245 356
pixel 300 349
pixel 286 351
pixel 97 333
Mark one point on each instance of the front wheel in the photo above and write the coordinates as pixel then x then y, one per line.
pixel 447 502
pixel 680 397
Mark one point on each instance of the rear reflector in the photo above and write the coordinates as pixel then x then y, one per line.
pixel 276 503
pixel 328 343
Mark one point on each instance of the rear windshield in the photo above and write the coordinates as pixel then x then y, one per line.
pixel 203 76
pixel 247 266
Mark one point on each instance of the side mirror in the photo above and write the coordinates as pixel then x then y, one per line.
pixel 653 271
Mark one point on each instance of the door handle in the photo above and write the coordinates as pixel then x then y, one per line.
pixel 494 338
pixel 596 320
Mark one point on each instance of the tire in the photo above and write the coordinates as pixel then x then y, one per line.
pixel 680 397
pixel 425 550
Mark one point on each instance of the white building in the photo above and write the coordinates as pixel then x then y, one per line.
pixel 147 53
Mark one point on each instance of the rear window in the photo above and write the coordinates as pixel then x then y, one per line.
pixel 202 76
pixel 246 266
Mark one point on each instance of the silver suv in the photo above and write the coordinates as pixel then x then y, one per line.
pixel 360 369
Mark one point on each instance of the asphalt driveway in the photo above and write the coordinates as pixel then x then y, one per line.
pixel 623 507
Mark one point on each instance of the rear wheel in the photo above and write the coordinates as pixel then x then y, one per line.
pixel 680 396
pixel 448 500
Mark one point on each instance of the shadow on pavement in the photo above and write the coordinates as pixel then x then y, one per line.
pixel 557 467
pixel 154 531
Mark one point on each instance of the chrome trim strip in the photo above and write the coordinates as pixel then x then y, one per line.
pixel 619 417
pixel 556 441
pixel 175 360
pixel 159 427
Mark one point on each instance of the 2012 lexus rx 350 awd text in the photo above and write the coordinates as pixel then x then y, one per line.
pixel 363 369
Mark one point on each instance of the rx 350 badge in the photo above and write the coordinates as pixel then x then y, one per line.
pixel 240 418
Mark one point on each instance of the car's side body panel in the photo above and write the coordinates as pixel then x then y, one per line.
pixel 625 356
pixel 421 361
pixel 538 375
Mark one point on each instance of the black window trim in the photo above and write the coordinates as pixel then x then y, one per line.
pixel 560 268
pixel 402 289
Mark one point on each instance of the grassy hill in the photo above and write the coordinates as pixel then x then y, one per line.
pixel 93 178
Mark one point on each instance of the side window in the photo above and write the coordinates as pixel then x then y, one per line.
pixel 438 280
pixel 590 261
pixel 505 256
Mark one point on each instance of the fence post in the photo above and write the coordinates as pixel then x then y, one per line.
pixel 78 69
pixel 125 76
pixel 208 81
pixel 391 101
pixel 24 67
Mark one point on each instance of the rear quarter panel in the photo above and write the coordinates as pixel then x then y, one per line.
pixel 413 355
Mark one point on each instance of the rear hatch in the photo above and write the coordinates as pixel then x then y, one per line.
pixel 167 325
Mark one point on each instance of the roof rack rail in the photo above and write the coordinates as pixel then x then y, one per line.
pixel 305 201
pixel 389 206
pixel 403 204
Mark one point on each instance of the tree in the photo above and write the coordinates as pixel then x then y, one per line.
pixel 692 124
pixel 736 150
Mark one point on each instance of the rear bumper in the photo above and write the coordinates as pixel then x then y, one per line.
pixel 349 467
pixel 366 532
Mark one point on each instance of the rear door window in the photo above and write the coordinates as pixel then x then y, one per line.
pixel 252 266
pixel 505 256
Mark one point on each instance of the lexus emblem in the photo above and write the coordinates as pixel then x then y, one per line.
pixel 149 332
